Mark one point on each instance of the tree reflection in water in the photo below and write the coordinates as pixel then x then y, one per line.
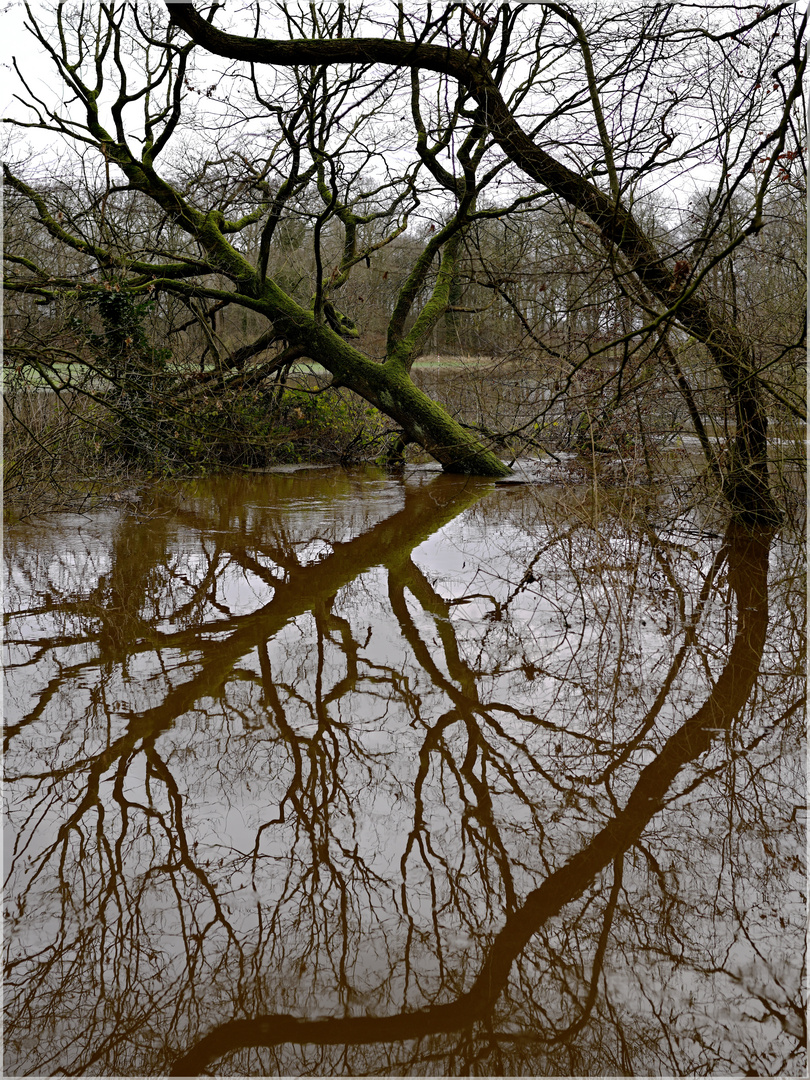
pixel 332 774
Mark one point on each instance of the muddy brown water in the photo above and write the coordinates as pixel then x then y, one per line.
pixel 329 772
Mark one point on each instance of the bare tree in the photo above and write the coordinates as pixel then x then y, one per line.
pixel 481 114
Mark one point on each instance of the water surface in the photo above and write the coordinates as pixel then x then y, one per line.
pixel 331 772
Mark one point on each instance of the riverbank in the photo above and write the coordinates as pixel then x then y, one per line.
pixel 73 449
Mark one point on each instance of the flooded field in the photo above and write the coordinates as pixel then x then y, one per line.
pixel 332 772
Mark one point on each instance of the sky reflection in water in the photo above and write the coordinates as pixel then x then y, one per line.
pixel 332 773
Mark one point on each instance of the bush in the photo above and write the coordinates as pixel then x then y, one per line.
pixel 332 426
pixel 241 429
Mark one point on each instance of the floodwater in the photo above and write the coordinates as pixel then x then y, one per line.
pixel 331 772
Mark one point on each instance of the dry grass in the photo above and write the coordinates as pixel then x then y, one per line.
pixel 50 455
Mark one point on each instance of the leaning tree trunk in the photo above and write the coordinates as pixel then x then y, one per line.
pixel 387 386
pixel 390 389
